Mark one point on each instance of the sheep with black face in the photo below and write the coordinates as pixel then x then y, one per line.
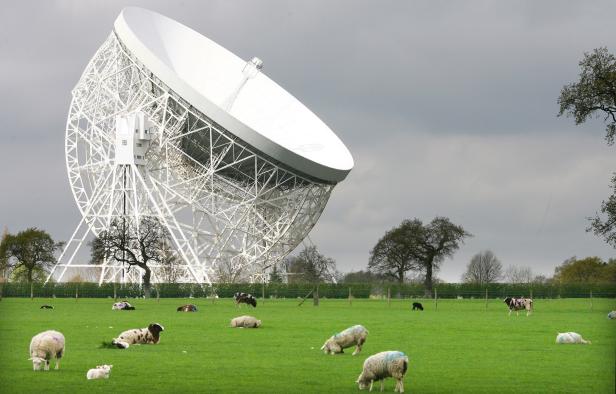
pixel 138 336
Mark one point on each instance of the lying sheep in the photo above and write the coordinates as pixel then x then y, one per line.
pixel 138 336
pixel 352 336
pixel 100 372
pixel 187 308
pixel 611 315
pixel 44 346
pixel 571 337
pixel 245 322
pixel 122 306
pixel 384 365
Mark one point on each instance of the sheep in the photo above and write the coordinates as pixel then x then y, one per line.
pixel 44 346
pixel 355 335
pixel 245 322
pixel 150 334
pixel 122 306
pixel 100 372
pixel 571 337
pixel 611 315
pixel 383 365
pixel 187 308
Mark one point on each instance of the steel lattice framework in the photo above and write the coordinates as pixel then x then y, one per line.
pixel 220 201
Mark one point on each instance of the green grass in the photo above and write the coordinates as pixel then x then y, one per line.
pixel 459 348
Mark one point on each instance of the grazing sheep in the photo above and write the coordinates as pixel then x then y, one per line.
pixel 138 336
pixel 245 298
pixel 355 335
pixel 517 304
pixel 187 308
pixel 611 315
pixel 44 346
pixel 245 322
pixel 46 306
pixel 384 365
pixel 417 306
pixel 571 337
pixel 122 306
pixel 100 372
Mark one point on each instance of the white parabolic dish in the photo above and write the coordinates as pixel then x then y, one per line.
pixel 206 75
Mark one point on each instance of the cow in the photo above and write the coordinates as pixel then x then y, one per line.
pixel 517 304
pixel 245 298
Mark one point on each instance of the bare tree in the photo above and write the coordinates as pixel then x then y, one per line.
pixel 519 275
pixel 483 268
pixel 169 269
pixel 133 245
pixel 229 272
pixel 310 266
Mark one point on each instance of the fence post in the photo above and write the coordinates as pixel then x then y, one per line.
pixel 76 292
pixel 591 300
pixel 435 299
pixel 389 296
pixel 31 290
pixel 350 295
pixel 263 291
pixel 115 294
pixel 315 296
pixel 157 295
pixel 486 298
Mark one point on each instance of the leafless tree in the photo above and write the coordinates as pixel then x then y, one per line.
pixel 519 275
pixel 483 268
pixel 228 272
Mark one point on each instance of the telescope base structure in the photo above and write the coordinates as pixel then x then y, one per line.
pixel 228 210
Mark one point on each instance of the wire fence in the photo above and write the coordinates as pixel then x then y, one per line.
pixel 304 290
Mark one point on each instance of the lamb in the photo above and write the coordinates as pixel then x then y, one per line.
pixel 150 334
pixel 245 322
pixel 571 337
pixel 100 372
pixel 44 346
pixel 355 335
pixel 611 315
pixel 383 365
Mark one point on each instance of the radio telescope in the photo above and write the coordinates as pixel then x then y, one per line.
pixel 166 124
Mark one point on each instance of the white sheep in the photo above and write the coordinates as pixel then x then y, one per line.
pixel 352 336
pixel 149 334
pixel 571 337
pixel 245 322
pixel 100 372
pixel 44 346
pixel 611 315
pixel 384 365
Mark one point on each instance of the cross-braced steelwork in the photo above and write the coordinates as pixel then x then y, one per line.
pixel 136 149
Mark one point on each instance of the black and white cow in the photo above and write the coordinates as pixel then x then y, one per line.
pixel 245 298
pixel 517 304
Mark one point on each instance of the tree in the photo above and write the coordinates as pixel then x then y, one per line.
pixel 484 268
pixel 274 276
pixel 133 245
pixel 363 277
pixel 395 253
pixel 170 271
pixel 413 245
pixel 310 266
pixel 595 95
pixel 587 270
pixel 519 275
pixel 28 254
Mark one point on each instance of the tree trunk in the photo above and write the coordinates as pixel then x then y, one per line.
pixel 428 281
pixel 147 274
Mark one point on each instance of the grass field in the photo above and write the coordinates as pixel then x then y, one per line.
pixel 459 348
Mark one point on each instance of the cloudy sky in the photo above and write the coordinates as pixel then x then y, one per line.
pixel 449 108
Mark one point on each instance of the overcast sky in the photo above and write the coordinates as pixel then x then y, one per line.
pixel 448 108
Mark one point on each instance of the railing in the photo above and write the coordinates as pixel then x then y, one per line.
pixel 300 290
